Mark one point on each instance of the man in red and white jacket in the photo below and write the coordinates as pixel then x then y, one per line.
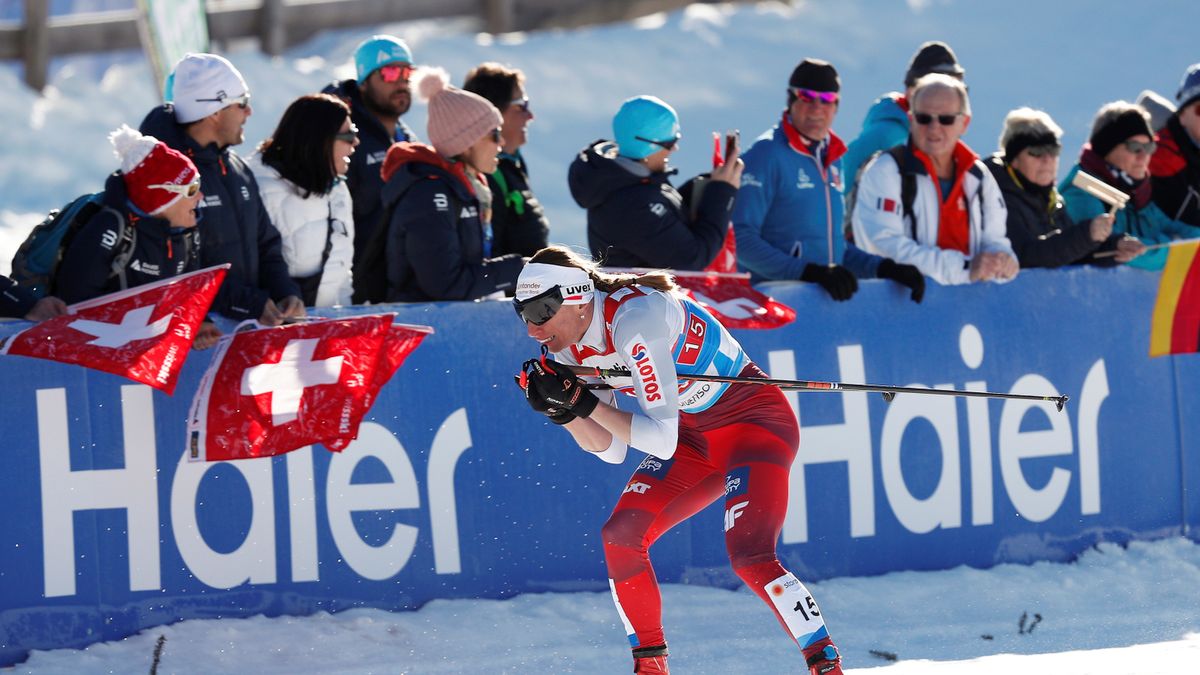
pixel 953 229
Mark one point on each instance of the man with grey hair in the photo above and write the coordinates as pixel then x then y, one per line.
pixel 932 203
pixel 1041 232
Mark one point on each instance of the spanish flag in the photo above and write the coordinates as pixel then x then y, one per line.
pixel 1176 325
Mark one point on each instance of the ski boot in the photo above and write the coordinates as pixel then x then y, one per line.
pixel 823 658
pixel 650 660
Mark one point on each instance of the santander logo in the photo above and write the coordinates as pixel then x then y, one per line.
pixel 645 372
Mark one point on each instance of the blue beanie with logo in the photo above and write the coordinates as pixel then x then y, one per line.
pixel 641 120
pixel 378 51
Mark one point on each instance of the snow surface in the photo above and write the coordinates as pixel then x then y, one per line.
pixel 1114 611
pixel 1134 610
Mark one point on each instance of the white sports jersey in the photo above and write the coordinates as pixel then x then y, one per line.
pixel 656 335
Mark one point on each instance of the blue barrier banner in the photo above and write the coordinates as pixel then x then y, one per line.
pixel 456 489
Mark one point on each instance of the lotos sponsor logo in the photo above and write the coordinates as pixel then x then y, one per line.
pixel 645 372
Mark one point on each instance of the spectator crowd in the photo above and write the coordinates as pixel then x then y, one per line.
pixel 344 203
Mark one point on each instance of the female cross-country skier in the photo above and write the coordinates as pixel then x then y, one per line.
pixel 706 440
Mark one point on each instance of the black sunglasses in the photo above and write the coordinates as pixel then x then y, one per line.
pixel 540 308
pixel 944 120
pixel 349 136
pixel 1043 150
pixel 665 145
pixel 496 135
pixel 522 103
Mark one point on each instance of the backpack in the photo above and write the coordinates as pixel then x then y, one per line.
pixel 36 262
pixel 908 188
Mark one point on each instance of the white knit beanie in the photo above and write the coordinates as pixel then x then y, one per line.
pixel 203 84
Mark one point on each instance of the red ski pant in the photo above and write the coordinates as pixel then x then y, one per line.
pixel 742 452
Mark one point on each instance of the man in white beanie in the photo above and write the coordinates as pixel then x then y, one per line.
pixel 205 118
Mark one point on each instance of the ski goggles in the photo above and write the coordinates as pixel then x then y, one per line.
pixel 812 96
pixel 188 190
pixel 540 308
pixel 395 72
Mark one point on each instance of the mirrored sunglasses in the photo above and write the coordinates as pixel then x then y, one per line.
pixel 540 308
pixel 242 101
pixel 395 72
pixel 665 145
pixel 1043 150
pixel 1138 147
pixel 349 136
pixel 188 190
pixel 522 103
pixel 925 118
pixel 812 96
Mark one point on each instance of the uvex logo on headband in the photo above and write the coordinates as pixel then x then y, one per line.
pixel 576 292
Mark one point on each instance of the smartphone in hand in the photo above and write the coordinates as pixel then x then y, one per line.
pixel 732 141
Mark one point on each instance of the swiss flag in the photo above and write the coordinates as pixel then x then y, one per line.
pixel 733 301
pixel 271 390
pixel 142 333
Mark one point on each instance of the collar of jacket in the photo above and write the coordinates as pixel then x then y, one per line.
pixel 802 145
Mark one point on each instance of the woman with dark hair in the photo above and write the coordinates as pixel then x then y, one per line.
pixel 301 172
pixel 706 440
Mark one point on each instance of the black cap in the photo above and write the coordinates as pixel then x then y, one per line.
pixel 816 75
pixel 1119 129
pixel 932 57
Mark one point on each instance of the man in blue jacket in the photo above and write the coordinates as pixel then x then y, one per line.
pixel 378 97
pixel 207 116
pixel 788 214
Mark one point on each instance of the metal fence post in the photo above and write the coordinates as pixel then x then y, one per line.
pixel 273 27
pixel 499 16
pixel 35 43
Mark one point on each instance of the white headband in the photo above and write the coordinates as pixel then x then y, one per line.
pixel 537 278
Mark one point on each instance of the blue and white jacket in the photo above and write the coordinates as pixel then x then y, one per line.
pixel 789 209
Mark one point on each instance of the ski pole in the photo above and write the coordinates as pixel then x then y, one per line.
pixel 889 392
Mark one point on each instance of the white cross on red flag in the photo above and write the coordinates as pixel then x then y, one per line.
pixel 142 333
pixel 733 301
pixel 272 390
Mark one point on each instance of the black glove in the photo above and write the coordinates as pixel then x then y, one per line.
pixel 535 399
pixel 559 387
pixel 905 275
pixel 838 281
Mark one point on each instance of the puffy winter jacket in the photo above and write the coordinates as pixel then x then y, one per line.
pixel 1041 233
pixel 160 251
pixel 789 210
pixel 885 126
pixel 636 218
pixel 881 227
pixel 1175 172
pixel 15 302
pixel 1149 224
pixel 519 223
pixel 305 224
pixel 235 227
pixel 436 240
pixel 363 177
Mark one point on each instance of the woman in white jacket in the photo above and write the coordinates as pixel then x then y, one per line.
pixel 301 173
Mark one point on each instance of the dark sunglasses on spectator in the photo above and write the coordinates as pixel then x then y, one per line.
pixel 811 96
pixel 242 101
pixel 540 308
pixel 394 73
pixel 496 135
pixel 1043 150
pixel 349 136
pixel 1138 147
pixel 665 145
pixel 188 190
pixel 522 103
pixel 926 118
